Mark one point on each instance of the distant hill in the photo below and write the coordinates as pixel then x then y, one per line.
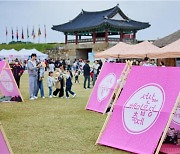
pixel 40 46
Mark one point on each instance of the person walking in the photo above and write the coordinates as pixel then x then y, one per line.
pixel 86 72
pixel 69 84
pixel 17 71
pixel 32 72
pixel 59 85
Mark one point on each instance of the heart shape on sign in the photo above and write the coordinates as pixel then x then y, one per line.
pixel 105 86
pixel 6 81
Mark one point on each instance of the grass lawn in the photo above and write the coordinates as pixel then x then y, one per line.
pixel 53 125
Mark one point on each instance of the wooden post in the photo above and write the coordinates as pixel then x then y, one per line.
pixel 76 39
pixel 106 36
pixel 5 138
pixel 121 36
pixel 94 37
pixel 66 38
pixel 134 36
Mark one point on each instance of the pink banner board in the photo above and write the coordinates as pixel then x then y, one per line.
pixel 142 110
pixel 8 86
pixel 104 86
pixel 3 145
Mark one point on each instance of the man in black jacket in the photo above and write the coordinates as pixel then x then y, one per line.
pixel 86 70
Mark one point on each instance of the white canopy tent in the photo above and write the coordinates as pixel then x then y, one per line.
pixel 10 54
pixel 22 54
pixel 26 53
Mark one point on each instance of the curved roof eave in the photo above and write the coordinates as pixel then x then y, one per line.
pixel 103 17
pixel 128 25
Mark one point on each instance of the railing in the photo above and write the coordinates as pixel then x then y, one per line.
pixel 110 39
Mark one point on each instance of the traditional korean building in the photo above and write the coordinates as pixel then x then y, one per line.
pixel 105 27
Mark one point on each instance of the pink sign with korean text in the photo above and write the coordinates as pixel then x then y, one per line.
pixel 104 86
pixel 8 86
pixel 143 109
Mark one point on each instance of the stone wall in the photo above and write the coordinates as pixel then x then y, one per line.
pixel 70 50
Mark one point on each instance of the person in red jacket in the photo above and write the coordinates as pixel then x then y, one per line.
pixel 17 71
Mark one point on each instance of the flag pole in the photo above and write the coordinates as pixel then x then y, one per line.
pixel 6 35
pixel 45 33
pixel 12 34
pixel 39 34
pixel 27 36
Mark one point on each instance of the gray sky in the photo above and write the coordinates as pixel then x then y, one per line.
pixel 164 16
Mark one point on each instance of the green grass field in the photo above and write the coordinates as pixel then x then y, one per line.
pixel 53 125
pixel 40 47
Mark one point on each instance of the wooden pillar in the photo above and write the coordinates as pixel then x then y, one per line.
pixel 106 36
pixel 76 39
pixel 94 37
pixel 134 36
pixel 121 36
pixel 66 38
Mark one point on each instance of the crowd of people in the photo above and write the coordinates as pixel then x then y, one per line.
pixel 62 79
pixel 61 73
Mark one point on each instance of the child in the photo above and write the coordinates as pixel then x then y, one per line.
pixel 76 75
pixel 59 84
pixel 50 83
pixel 69 84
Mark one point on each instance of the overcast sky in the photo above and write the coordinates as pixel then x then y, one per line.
pixel 164 16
